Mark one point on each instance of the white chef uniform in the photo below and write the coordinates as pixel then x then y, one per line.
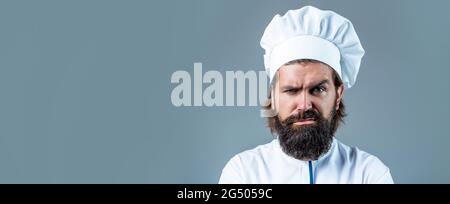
pixel 268 164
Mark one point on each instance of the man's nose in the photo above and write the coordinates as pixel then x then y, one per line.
pixel 303 101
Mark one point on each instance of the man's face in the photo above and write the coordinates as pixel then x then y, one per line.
pixel 305 86
pixel 307 101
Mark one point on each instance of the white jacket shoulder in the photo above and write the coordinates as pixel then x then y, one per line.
pixel 371 169
pixel 234 170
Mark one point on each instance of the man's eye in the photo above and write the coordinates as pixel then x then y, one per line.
pixel 318 90
pixel 290 91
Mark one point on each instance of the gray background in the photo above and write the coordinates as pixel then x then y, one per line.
pixel 85 88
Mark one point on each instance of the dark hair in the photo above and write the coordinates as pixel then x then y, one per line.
pixel 340 113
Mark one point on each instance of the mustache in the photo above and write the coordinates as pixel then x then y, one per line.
pixel 308 114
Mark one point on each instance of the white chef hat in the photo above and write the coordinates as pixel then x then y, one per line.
pixel 311 33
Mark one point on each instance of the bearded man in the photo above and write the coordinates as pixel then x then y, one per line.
pixel 311 56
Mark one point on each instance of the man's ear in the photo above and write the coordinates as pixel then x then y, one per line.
pixel 340 94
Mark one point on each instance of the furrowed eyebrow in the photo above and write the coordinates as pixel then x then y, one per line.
pixel 288 87
pixel 321 83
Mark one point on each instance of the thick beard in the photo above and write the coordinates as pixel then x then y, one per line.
pixel 306 142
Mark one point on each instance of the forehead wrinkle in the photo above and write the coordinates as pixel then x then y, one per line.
pixel 297 83
pixel 307 77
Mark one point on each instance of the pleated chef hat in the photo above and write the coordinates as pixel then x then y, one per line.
pixel 311 33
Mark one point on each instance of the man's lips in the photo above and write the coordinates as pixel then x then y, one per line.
pixel 304 122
